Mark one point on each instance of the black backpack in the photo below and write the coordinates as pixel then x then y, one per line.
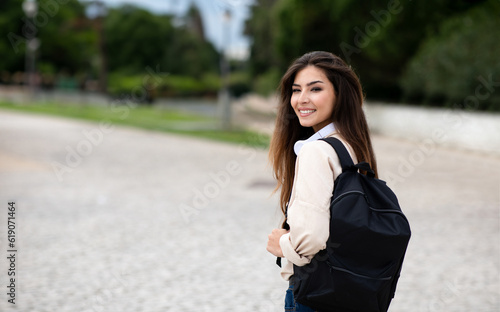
pixel 369 234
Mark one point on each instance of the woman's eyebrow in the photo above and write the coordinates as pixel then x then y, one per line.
pixel 310 83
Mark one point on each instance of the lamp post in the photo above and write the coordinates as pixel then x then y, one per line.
pixel 224 97
pixel 30 8
pixel 99 12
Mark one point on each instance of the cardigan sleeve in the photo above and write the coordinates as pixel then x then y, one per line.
pixel 309 207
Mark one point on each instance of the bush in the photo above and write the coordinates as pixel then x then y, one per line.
pixel 239 83
pixel 449 67
pixel 268 82
pixel 123 84
pixel 184 86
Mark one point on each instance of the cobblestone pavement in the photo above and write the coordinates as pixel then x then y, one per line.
pixel 121 219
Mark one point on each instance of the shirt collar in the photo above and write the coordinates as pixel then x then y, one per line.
pixel 323 132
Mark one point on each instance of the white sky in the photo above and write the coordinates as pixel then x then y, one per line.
pixel 216 29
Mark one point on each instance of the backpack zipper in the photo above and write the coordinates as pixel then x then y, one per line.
pixel 346 194
pixel 341 196
pixel 386 278
pixel 391 211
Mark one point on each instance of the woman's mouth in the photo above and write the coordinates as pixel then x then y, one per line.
pixel 306 112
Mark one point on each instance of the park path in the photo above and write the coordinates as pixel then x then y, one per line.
pixel 119 219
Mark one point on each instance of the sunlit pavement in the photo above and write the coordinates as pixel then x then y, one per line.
pixel 113 218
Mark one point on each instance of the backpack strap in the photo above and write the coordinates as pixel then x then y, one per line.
pixel 344 157
pixel 346 160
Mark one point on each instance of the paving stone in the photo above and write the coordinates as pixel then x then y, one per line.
pixel 149 221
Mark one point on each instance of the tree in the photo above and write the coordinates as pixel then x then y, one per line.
pixel 12 43
pixel 261 27
pixel 376 37
pixel 459 66
pixel 136 39
pixel 66 40
pixel 304 27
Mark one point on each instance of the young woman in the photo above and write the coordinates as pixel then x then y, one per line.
pixel 320 97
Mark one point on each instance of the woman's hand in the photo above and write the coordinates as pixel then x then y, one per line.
pixel 273 244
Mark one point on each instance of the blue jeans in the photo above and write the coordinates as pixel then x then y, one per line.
pixel 291 305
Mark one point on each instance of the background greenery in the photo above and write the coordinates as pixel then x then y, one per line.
pixel 421 52
pixel 129 40
pixel 152 118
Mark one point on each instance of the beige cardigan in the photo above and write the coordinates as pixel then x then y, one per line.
pixel 316 168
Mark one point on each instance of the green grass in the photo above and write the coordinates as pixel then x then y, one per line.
pixel 145 117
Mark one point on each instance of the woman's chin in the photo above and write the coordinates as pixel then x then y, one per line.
pixel 306 124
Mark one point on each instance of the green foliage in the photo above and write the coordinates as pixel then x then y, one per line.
pixel 451 66
pixel 12 43
pixel 125 84
pixel 122 83
pixel 66 39
pixel 186 54
pixel 267 83
pixel 239 83
pixel 377 37
pixel 153 118
pixel 304 27
pixel 133 41
pixel 262 28
pixel 137 38
pixel 176 86
pixel 139 116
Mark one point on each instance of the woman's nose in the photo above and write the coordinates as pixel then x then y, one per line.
pixel 304 97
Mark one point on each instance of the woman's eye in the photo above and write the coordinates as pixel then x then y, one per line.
pixel 295 90
pixel 316 89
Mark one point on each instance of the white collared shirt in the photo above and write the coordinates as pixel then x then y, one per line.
pixel 323 132
pixel 308 213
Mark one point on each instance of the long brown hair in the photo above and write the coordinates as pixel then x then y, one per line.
pixel 348 116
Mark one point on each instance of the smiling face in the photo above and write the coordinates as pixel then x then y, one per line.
pixel 313 97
